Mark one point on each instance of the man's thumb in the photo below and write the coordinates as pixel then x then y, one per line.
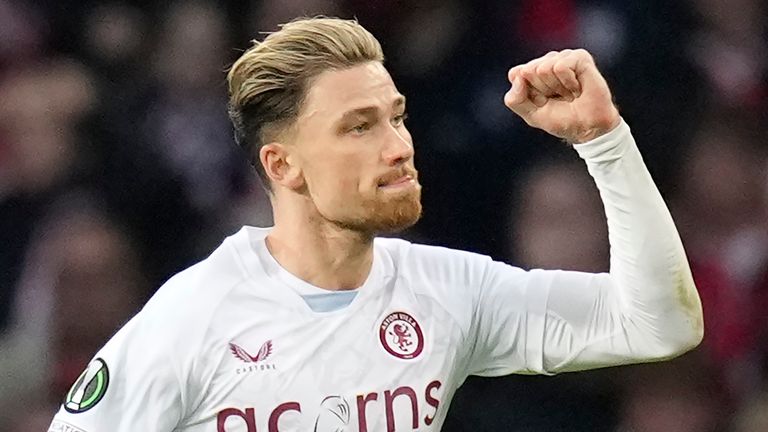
pixel 517 99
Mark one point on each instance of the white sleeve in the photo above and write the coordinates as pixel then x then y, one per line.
pixel 130 385
pixel 645 309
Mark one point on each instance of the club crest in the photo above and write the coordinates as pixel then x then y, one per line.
pixel 401 336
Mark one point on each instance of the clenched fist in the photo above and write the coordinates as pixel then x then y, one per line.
pixel 564 94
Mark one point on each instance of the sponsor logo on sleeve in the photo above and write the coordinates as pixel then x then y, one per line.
pixel 60 426
pixel 89 388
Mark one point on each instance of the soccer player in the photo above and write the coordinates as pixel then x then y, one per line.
pixel 316 324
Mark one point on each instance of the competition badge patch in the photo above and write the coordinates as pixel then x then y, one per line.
pixel 89 388
pixel 401 335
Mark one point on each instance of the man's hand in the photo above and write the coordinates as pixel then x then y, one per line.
pixel 564 94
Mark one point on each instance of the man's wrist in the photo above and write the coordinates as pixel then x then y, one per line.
pixel 603 126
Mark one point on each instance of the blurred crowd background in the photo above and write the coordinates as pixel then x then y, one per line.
pixel 118 169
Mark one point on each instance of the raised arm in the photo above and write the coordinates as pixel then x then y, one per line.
pixel 647 307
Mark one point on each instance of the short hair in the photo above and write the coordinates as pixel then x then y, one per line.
pixel 270 81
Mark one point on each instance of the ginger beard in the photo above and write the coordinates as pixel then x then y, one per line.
pixel 385 212
pixel 393 212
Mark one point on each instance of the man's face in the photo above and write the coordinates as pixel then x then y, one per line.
pixel 355 152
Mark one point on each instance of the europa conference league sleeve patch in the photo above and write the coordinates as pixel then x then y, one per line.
pixel 89 388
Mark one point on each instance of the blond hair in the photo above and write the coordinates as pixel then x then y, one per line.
pixel 269 82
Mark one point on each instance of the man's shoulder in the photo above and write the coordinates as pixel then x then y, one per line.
pixel 211 276
pixel 405 247
pixel 195 293
pixel 429 258
pixel 181 325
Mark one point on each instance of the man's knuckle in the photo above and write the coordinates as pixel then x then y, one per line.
pixel 560 68
pixel 584 54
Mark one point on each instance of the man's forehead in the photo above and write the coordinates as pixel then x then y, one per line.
pixel 368 84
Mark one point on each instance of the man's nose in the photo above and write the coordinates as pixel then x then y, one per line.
pixel 399 148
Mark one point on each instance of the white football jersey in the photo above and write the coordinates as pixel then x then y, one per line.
pixel 230 344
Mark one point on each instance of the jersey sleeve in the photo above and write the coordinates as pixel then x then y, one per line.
pixel 645 309
pixel 131 384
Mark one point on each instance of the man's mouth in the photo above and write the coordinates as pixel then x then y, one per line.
pixel 399 182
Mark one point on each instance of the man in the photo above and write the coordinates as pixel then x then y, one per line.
pixel 316 325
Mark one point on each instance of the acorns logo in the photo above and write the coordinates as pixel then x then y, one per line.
pixel 89 388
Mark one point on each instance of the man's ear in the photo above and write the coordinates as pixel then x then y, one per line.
pixel 281 166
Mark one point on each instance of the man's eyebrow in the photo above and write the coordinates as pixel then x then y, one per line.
pixel 362 111
pixel 368 110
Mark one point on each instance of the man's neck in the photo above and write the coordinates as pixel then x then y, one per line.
pixel 322 254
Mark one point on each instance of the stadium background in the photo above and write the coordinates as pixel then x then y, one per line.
pixel 117 169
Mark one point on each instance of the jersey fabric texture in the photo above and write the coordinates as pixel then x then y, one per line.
pixel 231 344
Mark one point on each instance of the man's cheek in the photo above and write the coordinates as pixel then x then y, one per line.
pixel 344 183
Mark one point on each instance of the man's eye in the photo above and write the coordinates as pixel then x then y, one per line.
pixel 399 119
pixel 362 127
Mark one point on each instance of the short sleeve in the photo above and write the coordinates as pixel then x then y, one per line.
pixel 130 385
